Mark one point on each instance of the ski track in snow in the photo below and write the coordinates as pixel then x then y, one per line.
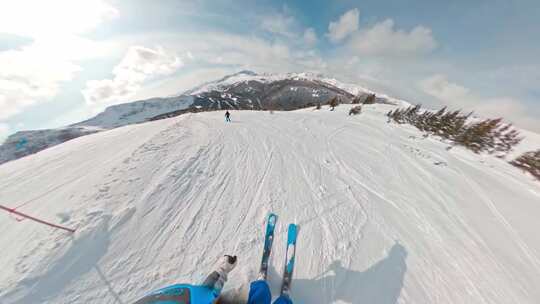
pixel 385 215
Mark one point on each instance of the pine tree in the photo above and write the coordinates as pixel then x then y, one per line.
pixel 505 139
pixel 480 136
pixel 355 110
pixel 452 124
pixel 370 99
pixel 529 162
pixel 333 103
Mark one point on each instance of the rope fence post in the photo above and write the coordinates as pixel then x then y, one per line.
pixel 13 211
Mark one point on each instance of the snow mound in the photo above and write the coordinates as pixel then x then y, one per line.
pixel 386 216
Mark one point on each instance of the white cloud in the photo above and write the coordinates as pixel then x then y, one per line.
pixel 281 24
pixel 438 86
pixel 346 25
pixel 139 65
pixel 517 79
pixel 34 73
pixel 54 17
pixel 383 39
pixel 248 52
pixel 29 76
pixel 233 52
pixel 457 96
pixel 184 80
pixel 310 37
pixel 285 25
pixel 4 132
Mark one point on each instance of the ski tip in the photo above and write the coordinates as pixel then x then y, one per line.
pixel 292 232
pixel 272 218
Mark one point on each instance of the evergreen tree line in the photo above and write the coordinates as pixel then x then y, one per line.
pixel 370 99
pixel 488 135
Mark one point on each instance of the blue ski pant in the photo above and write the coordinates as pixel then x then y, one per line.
pixel 259 293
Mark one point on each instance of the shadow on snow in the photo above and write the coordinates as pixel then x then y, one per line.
pixel 379 284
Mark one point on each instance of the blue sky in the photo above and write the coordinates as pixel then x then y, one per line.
pixel 66 60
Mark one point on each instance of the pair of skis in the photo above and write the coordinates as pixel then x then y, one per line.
pixel 289 255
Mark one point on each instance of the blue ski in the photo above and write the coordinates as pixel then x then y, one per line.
pixel 268 239
pixel 289 259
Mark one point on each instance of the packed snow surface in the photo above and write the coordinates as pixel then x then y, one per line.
pixel 386 216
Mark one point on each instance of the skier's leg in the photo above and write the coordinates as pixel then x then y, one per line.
pixel 217 278
pixel 259 293
pixel 283 299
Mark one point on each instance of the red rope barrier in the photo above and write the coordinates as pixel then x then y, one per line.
pixel 13 211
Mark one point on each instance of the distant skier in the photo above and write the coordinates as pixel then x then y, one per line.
pixel 227 116
pixel 205 293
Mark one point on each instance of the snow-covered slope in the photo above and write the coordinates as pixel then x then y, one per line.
pixel 385 215
pixel 24 143
pixel 136 112
pixel 242 90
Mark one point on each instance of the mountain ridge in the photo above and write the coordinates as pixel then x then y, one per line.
pixel 242 90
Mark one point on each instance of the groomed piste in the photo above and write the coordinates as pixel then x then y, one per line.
pixel 386 215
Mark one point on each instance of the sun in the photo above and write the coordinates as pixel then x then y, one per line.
pixel 36 18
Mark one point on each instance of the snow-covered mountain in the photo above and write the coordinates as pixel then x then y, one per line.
pixel 136 112
pixel 386 216
pixel 244 90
